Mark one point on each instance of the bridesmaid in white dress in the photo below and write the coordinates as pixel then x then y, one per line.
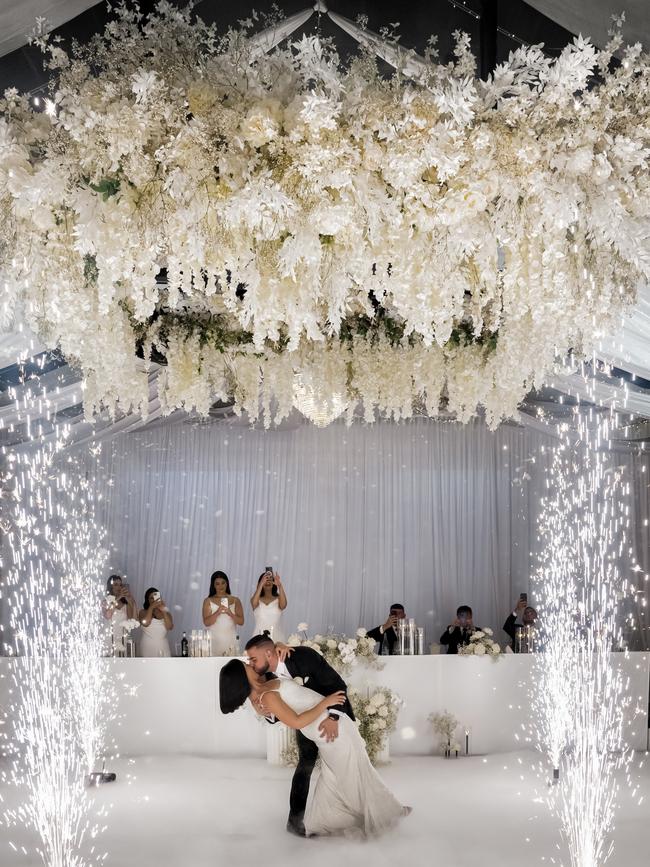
pixel 222 614
pixel 268 602
pixel 118 607
pixel 156 622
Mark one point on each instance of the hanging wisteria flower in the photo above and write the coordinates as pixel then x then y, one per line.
pixel 288 231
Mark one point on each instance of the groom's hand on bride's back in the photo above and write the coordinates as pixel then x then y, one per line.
pixel 329 729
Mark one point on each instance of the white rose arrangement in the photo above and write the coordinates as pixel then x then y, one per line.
pixel 341 653
pixel 129 625
pixel 481 643
pixel 234 212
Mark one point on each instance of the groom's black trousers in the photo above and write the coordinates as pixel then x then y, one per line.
pixel 307 755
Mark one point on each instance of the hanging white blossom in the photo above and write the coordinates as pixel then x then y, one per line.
pixel 322 235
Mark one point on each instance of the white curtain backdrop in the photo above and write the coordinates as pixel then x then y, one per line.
pixel 426 513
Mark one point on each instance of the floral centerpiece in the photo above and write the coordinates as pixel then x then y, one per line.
pixel 445 725
pixel 341 652
pixel 376 711
pixel 284 230
pixel 481 643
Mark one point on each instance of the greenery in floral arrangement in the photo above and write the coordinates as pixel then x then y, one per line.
pixel 481 643
pixel 341 652
pixel 445 725
pixel 376 711
pixel 332 240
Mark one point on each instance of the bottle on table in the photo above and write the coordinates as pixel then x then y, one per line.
pixel 185 651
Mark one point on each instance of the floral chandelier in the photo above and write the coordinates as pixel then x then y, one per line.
pixel 288 231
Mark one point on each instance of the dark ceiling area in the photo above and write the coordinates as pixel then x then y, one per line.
pixel 496 28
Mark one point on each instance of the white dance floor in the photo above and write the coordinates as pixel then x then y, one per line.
pixel 174 811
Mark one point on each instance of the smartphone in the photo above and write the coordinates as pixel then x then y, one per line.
pixel 155 596
pixel 523 597
pixel 224 601
pixel 268 570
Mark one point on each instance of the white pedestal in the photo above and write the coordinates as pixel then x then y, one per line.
pixel 278 739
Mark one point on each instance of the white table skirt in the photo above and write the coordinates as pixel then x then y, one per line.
pixel 176 705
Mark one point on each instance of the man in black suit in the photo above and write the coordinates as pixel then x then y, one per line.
pixel 458 633
pixel 386 632
pixel 523 616
pixel 303 662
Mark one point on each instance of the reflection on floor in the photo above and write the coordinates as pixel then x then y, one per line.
pixel 189 811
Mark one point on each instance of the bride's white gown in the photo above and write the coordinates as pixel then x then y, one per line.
pixel 348 793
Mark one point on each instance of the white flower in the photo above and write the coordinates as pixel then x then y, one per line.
pixel 262 123
pixel 302 627
pixel 383 710
pixel 488 631
pixel 294 641
pixel 310 180
pixel 361 632
pixel 130 624
pixel 479 649
pixel 144 83
pixel 331 644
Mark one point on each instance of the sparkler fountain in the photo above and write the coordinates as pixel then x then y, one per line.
pixel 57 724
pixel 581 696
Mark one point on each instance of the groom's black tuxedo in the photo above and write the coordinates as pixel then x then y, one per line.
pixel 318 675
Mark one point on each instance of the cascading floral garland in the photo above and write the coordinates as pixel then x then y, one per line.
pixel 287 230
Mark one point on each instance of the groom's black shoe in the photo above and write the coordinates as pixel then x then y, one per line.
pixel 295 826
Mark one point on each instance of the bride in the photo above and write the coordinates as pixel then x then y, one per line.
pixel 349 793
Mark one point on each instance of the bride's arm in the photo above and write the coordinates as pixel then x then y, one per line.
pixel 272 703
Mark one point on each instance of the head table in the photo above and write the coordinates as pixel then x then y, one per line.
pixel 172 705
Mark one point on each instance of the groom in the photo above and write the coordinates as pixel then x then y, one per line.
pixel 303 662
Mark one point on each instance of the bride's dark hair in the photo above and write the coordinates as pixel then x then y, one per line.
pixel 234 687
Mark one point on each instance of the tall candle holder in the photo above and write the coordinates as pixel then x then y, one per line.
pixel 411 637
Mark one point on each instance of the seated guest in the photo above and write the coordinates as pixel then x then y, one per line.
pixel 386 634
pixel 156 622
pixel 521 617
pixel 457 633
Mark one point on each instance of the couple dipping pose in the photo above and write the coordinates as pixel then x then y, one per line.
pixel 349 794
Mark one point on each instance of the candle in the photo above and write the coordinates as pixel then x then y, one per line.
pixel 466 742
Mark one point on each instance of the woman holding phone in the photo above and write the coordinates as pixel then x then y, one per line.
pixel 156 622
pixel 118 607
pixel 268 602
pixel 222 614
